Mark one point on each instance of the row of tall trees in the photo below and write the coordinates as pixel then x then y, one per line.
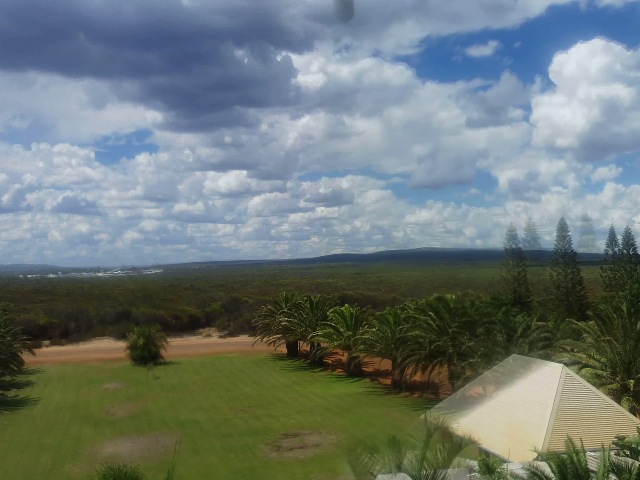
pixel 620 271
pixel 462 335
pixel 601 338
pixel 436 448
pixel 456 337
pixel 453 335
pixel 566 293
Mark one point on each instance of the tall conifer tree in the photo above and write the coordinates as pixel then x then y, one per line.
pixel 531 237
pixel 587 242
pixel 610 268
pixel 515 286
pixel 629 260
pixel 567 293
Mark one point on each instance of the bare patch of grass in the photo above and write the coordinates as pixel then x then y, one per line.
pixel 299 444
pixel 138 448
pixel 109 387
pixel 121 410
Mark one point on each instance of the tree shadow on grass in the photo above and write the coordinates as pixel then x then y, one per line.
pixel 10 398
pixel 412 402
pixel 167 363
pixel 16 383
pixel 14 402
pixel 302 365
pixel 151 368
pixel 408 399
pixel 297 364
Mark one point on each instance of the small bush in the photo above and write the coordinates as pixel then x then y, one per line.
pixel 145 344
pixel 119 471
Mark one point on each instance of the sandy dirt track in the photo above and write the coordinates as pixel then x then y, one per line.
pixel 101 349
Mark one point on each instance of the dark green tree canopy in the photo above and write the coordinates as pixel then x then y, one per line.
pixel 620 270
pixel 12 345
pixel 531 237
pixel 145 344
pixel 514 281
pixel 612 245
pixel 628 260
pixel 610 268
pixel 566 293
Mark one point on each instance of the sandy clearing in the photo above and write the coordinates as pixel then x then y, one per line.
pixel 104 349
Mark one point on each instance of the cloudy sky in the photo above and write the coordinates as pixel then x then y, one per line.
pixel 146 131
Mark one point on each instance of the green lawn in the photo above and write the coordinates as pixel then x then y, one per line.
pixel 225 409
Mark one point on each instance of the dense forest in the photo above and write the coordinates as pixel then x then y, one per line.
pixel 227 297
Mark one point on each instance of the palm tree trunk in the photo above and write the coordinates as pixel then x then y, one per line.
pixel 315 356
pixel 292 349
pixel 396 377
pixel 354 365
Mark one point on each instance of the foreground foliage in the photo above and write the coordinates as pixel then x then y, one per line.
pixel 608 350
pixel 12 345
pixel 427 456
pixel 573 465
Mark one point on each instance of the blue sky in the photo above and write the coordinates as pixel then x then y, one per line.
pixel 231 129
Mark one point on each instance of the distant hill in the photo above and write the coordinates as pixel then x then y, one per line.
pixel 27 268
pixel 438 255
pixel 417 255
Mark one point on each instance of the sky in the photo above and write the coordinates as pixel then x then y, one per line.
pixel 139 132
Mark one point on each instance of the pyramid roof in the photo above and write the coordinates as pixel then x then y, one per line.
pixel 524 405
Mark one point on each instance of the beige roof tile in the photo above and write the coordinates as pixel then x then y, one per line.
pixel 525 405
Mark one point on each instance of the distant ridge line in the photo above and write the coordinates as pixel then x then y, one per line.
pixel 425 255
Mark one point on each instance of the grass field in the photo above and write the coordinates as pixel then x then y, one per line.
pixel 229 412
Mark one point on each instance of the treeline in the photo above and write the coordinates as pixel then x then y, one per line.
pixel 454 334
pixel 457 337
pixel 228 298
pixel 565 291
pixel 179 301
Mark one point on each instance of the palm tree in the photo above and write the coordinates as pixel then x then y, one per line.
pixel 628 447
pixel 573 465
pixel 505 331
pixel 314 312
pixel 622 469
pixel 146 343
pixel 442 338
pixel 278 323
pixel 428 456
pixel 12 345
pixel 607 354
pixel 385 336
pixel 570 465
pixel 492 468
pixel 342 331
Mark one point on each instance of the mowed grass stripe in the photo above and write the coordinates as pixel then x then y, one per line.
pixel 226 409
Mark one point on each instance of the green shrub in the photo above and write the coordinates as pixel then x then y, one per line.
pixel 119 471
pixel 145 344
